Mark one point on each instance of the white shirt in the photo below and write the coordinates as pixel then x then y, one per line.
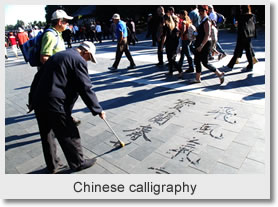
pixel 98 28
pixel 213 16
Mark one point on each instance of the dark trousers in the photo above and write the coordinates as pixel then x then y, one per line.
pixel 160 52
pixel 123 48
pixel 202 57
pixel 99 34
pixel 242 44
pixel 61 126
pixel 185 51
pixel 171 51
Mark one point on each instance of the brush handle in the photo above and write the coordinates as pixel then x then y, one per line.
pixel 112 130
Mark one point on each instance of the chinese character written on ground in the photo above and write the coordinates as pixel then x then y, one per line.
pixel 181 103
pixel 162 118
pixel 160 170
pixel 228 114
pixel 139 132
pixel 186 149
pixel 210 129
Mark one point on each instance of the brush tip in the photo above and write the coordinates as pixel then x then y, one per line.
pixel 122 144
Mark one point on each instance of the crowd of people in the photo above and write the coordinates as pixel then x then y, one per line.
pixel 63 74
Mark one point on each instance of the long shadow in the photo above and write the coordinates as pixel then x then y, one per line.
pixel 24 87
pixel 16 119
pixel 11 146
pixel 67 170
pixel 255 96
pixel 16 137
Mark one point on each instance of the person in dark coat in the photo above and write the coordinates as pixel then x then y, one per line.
pixel 246 31
pixel 53 93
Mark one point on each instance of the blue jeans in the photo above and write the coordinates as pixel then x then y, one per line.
pixel 219 48
pixel 186 51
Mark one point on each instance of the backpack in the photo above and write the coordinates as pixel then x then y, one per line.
pixel 249 28
pixel 32 48
pixel 190 32
pixel 220 19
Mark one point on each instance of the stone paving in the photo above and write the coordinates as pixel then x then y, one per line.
pixel 169 125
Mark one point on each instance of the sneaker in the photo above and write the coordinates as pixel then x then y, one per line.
pixel 112 68
pixel 87 163
pixel 131 67
pixel 60 167
pixel 194 81
pixel 189 71
pixel 255 60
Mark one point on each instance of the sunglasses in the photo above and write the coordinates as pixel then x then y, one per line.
pixel 64 21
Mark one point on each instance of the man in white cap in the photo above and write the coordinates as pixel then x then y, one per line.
pixel 52 42
pixel 53 93
pixel 121 32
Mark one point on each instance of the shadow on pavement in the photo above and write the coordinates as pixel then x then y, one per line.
pixel 15 119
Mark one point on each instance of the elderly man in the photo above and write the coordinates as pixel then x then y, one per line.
pixel 53 93
pixel 121 32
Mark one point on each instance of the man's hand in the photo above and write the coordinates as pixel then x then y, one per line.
pixel 102 115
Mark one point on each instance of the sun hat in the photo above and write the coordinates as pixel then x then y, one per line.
pixel 91 48
pixel 60 14
pixel 116 16
pixel 20 29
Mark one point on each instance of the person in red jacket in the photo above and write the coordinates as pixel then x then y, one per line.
pixel 22 37
pixel 13 42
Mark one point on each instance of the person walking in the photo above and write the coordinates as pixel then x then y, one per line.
pixel 158 25
pixel 194 15
pixel 203 45
pixel 217 47
pixel 98 32
pixel 53 93
pixel 246 30
pixel 13 42
pixel 122 46
pixel 22 37
pixel 170 38
pixel 185 51
pixel 53 42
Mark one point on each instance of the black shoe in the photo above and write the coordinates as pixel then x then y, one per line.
pixel 247 69
pixel 87 163
pixel 112 68
pixel 211 58
pixel 189 71
pixel 159 64
pixel 131 67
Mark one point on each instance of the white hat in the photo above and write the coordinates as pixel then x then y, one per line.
pixel 60 14
pixel 20 29
pixel 91 48
pixel 116 16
